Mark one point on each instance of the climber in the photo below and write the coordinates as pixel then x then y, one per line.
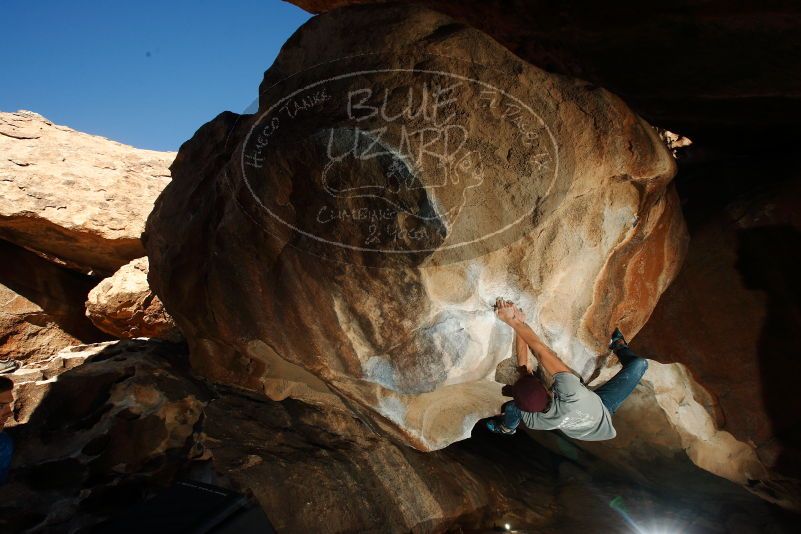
pixel 571 407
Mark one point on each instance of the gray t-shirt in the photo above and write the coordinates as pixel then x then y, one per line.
pixel 575 410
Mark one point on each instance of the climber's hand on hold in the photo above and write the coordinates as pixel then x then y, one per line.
pixel 505 311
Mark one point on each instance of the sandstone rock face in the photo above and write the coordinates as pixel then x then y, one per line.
pixel 730 319
pixel 353 232
pixel 124 306
pixel 99 428
pixel 667 429
pixel 79 199
pixel 41 306
pixel 735 304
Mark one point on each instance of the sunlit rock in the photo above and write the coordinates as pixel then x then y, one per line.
pixel 41 306
pixel 80 200
pixel 124 306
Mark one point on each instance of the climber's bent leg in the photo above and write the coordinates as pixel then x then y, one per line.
pixel 620 386
pixel 507 422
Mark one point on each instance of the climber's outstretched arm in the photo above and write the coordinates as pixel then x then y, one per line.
pixel 506 312
pixel 548 358
pixel 521 352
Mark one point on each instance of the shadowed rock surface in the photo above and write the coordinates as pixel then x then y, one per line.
pixel 41 306
pixel 94 425
pixel 259 251
pixel 730 321
pixel 732 316
pixel 101 427
pixel 709 69
pixel 78 199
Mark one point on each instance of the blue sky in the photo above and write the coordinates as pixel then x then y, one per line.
pixel 144 72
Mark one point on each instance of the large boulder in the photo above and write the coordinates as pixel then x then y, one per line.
pixel 352 234
pixel 78 199
pixel 731 317
pixel 124 306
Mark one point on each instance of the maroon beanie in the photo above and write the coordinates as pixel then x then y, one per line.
pixel 529 393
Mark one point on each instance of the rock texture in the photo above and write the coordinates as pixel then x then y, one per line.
pixel 731 317
pixel 76 198
pixel 94 426
pixel 735 303
pixel 350 239
pixel 101 427
pixel 667 429
pixel 41 306
pixel 342 246
pixel 690 66
pixel 124 306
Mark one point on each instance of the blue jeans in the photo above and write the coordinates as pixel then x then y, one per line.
pixel 612 394
pixel 6 450
pixel 620 386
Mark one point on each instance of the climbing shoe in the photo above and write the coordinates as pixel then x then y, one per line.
pixel 618 341
pixel 8 366
pixel 495 426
